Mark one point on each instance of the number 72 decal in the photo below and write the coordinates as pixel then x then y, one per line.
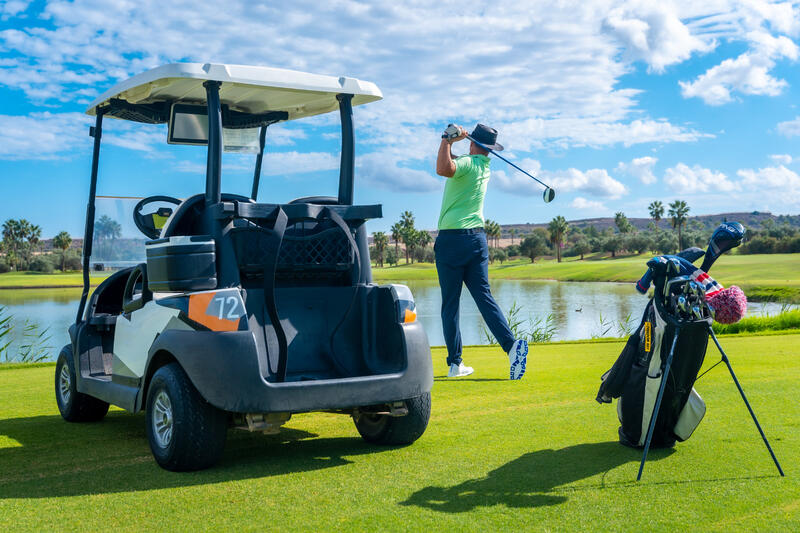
pixel 217 310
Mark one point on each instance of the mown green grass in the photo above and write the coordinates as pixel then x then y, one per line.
pixel 539 454
pixel 9 280
pixel 768 277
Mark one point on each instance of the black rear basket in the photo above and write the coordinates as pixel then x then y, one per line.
pixel 320 253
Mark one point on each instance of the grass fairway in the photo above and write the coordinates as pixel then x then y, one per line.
pixel 39 280
pixel 763 277
pixel 539 454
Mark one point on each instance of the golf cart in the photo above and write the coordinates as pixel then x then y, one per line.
pixel 244 313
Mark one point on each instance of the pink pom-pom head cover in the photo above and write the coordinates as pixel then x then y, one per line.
pixel 730 305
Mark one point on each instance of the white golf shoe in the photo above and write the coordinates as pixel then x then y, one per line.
pixel 459 370
pixel 517 359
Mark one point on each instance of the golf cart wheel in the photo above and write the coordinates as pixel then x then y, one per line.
pixel 73 405
pixel 391 430
pixel 185 431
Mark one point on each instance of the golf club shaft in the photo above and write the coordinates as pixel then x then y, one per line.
pixel 752 414
pixel 507 161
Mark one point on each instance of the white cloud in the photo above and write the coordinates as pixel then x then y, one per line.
pixel 384 171
pixel 683 179
pixel 653 33
pixel 582 203
pixel 281 163
pixel 640 168
pixel 42 135
pixel 556 64
pixel 790 128
pixel 779 178
pixel 565 132
pixel 12 8
pixel 783 159
pixel 749 73
pixel 594 182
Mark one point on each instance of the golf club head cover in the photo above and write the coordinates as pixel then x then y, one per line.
pixel 730 304
pixel 665 265
pixel 727 236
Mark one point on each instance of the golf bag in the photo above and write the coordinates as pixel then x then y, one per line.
pixel 636 378
pixel 654 375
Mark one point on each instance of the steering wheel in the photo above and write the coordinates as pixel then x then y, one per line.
pixel 151 223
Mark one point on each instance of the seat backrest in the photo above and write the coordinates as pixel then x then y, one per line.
pixel 187 219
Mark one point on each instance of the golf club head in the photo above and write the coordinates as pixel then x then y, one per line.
pixel 682 304
pixel 711 312
pixel 727 236
pixel 548 195
pixel 697 313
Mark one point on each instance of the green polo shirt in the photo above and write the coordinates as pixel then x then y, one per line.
pixel 462 203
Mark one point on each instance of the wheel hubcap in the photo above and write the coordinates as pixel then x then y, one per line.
pixel 64 382
pixel 162 419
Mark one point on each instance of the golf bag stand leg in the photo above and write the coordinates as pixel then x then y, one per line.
pixel 752 414
pixel 657 406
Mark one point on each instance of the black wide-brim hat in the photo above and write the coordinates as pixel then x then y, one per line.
pixel 486 136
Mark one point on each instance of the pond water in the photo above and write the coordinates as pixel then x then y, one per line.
pixel 579 310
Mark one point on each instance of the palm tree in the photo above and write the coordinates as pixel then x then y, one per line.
pixel 622 223
pixel 656 211
pixel 558 227
pixel 13 236
pixel 492 230
pixel 33 234
pixel 63 241
pixel 677 212
pixel 424 238
pixel 407 232
pixel 380 241
pixel 107 228
pixel 513 232
pixel 396 230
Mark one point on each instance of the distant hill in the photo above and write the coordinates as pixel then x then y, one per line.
pixel 752 220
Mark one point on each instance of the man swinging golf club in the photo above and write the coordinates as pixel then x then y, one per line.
pixel 462 253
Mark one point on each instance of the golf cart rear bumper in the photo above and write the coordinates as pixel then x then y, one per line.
pixel 224 368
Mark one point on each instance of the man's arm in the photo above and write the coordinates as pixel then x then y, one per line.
pixel 445 166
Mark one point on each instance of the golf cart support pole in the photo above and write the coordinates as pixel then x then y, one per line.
pixel 88 235
pixel 752 414
pixel 657 406
pixel 262 139
pixel 348 149
pixel 214 162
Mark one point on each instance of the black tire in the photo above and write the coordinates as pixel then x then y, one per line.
pixel 395 430
pixel 185 431
pixel 74 406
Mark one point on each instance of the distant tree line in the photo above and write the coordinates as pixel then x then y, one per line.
pixel 560 239
pixel 21 249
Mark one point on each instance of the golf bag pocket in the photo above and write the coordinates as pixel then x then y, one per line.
pixel 690 416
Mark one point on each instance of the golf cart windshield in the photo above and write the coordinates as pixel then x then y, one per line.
pixel 118 242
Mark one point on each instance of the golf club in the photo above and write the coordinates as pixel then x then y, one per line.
pixel 727 236
pixel 549 193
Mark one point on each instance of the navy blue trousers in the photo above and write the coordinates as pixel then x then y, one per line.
pixel 463 258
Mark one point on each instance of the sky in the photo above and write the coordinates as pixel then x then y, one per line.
pixel 613 103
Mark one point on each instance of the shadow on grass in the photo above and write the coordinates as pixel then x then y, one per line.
pixel 530 480
pixel 48 457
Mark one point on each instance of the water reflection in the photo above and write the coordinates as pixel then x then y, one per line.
pixel 576 308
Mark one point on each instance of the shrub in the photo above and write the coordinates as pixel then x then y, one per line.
pixel 73 262
pixel 4 268
pixel 41 264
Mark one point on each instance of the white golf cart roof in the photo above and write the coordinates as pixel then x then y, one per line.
pixel 246 89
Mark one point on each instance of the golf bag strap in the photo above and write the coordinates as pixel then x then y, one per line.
pixel 270 265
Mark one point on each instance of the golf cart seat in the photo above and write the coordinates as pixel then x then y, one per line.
pixel 187 218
